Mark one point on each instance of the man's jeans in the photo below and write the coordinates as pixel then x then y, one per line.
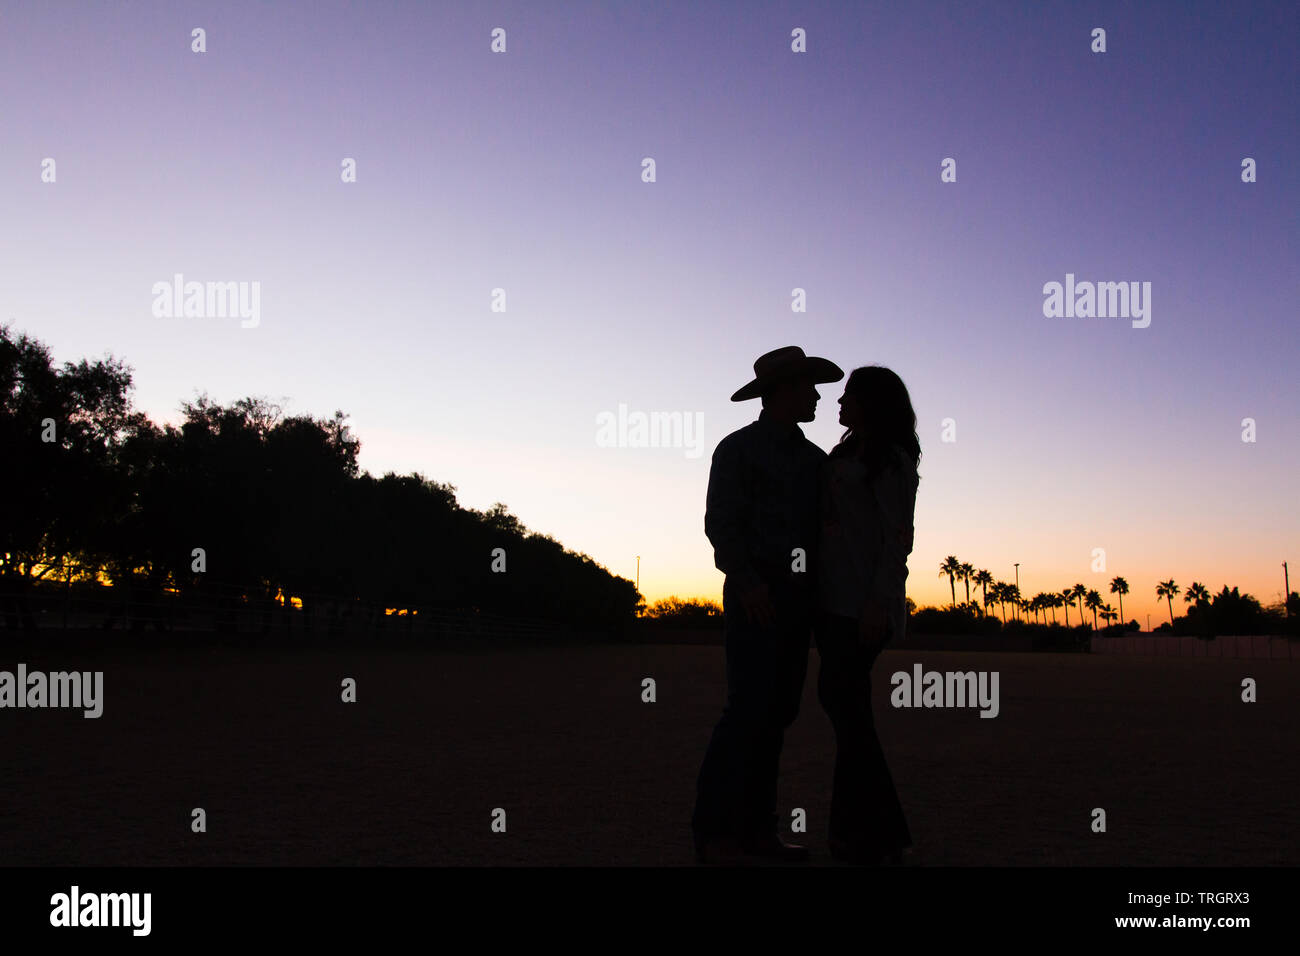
pixel 766 667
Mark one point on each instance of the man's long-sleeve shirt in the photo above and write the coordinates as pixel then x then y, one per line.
pixel 763 502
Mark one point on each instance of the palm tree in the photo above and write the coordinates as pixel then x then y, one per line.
pixel 1119 586
pixel 1013 597
pixel 1067 596
pixel 1196 592
pixel 1052 600
pixel 1079 592
pixel 1108 614
pixel 1000 595
pixel 951 567
pixel 984 579
pixel 966 571
pixel 1167 590
pixel 1093 600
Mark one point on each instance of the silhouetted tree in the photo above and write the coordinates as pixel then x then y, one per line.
pixel 1108 614
pixel 984 579
pixel 967 570
pixel 1167 590
pixel 275 504
pixel 951 567
pixel 685 611
pixel 1079 592
pixel 1119 586
pixel 63 430
pixel 1092 600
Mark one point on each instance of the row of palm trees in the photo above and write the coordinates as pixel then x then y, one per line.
pixel 1078 596
pixel 1196 592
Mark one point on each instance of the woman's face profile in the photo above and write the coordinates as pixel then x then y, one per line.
pixel 850 412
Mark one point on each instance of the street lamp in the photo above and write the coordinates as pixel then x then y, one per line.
pixel 1286 590
pixel 1018 590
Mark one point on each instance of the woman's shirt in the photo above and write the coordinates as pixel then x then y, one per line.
pixel 867 534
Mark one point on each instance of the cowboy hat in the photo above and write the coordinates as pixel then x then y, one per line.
pixel 787 363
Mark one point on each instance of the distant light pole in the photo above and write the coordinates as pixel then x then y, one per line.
pixel 1018 590
pixel 1286 589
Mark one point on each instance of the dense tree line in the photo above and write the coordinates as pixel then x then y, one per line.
pixel 684 612
pixel 95 491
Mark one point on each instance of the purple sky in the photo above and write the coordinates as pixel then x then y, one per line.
pixel 775 170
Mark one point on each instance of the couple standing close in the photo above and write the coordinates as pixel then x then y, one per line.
pixel 810 544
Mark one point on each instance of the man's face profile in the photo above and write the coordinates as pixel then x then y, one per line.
pixel 795 399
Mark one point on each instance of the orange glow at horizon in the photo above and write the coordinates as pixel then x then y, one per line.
pixel 932 590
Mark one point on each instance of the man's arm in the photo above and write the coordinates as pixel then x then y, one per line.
pixel 727 516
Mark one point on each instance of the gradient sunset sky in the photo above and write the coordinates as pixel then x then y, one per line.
pixel 775 170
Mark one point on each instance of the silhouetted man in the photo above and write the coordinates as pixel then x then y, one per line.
pixel 762 519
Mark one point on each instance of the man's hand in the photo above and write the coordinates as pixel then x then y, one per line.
pixel 758 606
pixel 873 627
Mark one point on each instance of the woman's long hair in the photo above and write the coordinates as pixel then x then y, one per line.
pixel 890 420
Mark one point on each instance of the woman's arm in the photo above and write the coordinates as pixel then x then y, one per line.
pixel 894 498
pixel 895 493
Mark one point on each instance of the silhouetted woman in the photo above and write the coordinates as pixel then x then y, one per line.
pixel 869 498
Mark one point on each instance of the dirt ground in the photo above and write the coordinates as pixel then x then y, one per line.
pixel 588 774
